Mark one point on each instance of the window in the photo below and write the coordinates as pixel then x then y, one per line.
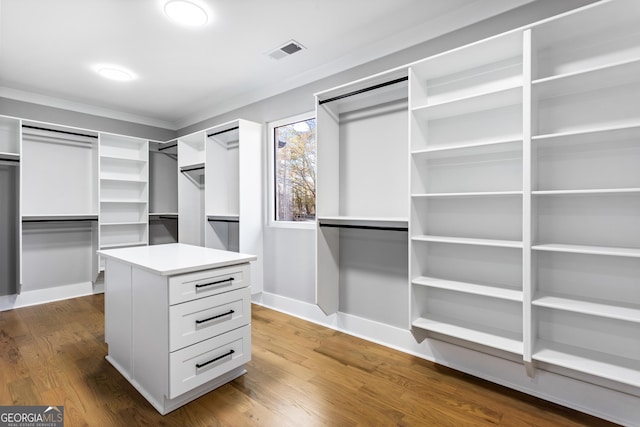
pixel 293 145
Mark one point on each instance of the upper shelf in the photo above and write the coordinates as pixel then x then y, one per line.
pixel 481 54
pixel 510 95
pixel 594 78
pixel 589 250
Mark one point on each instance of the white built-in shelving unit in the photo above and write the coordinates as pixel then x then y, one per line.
pixel 59 200
pixel 233 191
pixel 124 191
pixel 10 224
pixel 362 210
pixel 525 194
pixel 585 122
pixel 466 138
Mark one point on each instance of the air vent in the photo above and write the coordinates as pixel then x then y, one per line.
pixel 289 48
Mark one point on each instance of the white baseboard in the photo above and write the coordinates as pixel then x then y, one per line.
pixel 587 397
pixel 42 296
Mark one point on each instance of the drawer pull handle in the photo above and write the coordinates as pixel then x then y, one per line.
pixel 202 365
pixel 217 282
pixel 214 317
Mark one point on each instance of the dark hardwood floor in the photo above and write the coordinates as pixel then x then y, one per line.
pixel 301 374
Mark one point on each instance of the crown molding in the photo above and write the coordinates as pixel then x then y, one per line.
pixel 79 107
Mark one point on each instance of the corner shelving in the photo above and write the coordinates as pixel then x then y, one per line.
pixel 124 191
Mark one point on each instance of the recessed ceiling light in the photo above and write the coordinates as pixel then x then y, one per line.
pixel 114 73
pixel 186 13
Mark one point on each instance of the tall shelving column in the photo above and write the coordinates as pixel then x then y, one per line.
pixel 191 182
pixel 466 219
pixel 586 193
pixel 10 224
pixel 124 191
pixel 59 200
pixel 233 191
pixel 362 206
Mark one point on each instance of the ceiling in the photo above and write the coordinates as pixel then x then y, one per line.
pixel 48 50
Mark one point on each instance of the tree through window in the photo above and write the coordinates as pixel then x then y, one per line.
pixel 295 171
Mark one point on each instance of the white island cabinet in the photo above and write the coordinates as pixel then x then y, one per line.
pixel 177 319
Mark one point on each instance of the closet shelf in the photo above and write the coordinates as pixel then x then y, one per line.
pixel 123 245
pixel 132 180
pixel 123 159
pixel 124 201
pixel 495 338
pixel 480 102
pixel 587 191
pixel 616 368
pixel 223 217
pixel 593 308
pixel 468 194
pixel 470 288
pixel 633 127
pixel 469 241
pixel 124 223
pixel 479 54
pixel 595 78
pixel 195 168
pixel 589 250
pixel 467 148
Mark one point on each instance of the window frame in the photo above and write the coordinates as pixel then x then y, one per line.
pixel 271 169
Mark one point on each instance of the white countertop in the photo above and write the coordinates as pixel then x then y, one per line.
pixel 175 258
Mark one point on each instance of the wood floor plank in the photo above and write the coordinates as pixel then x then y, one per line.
pixel 301 374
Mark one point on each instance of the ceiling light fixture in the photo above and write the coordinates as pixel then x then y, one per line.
pixel 185 13
pixel 112 72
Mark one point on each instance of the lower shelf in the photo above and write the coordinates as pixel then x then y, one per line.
pixel 616 368
pixel 468 241
pixel 593 308
pixel 589 250
pixel 495 338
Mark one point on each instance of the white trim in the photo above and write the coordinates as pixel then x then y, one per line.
pixel 43 296
pixel 270 208
pixel 599 401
